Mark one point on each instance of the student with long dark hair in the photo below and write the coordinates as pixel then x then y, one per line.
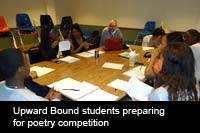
pixel 176 80
pixel 78 41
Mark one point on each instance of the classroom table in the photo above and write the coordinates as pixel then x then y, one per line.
pixel 87 69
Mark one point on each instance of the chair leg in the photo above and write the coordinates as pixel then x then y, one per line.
pixel 136 39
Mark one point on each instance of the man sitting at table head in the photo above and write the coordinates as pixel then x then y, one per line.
pixel 112 31
pixel 14 68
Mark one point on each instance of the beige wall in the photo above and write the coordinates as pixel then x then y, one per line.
pixel 9 9
pixel 178 14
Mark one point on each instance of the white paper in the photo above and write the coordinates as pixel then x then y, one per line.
pixel 125 54
pixel 99 95
pixel 64 86
pixel 118 84
pixel 86 54
pixel 113 66
pixel 69 59
pixel 138 72
pixel 93 51
pixel 138 89
pixel 147 48
pixel 64 45
pixel 41 70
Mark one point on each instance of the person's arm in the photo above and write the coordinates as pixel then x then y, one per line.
pixel 155 42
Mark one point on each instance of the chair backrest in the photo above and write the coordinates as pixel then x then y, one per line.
pixel 23 22
pixel 165 27
pixel 66 23
pixel 149 26
pixel 46 21
pixel 3 25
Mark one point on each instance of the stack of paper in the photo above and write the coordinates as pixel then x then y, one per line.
pixel 113 66
pixel 41 70
pixel 138 72
pixel 64 45
pixel 147 48
pixel 69 59
pixel 81 91
pixel 93 51
pixel 138 89
pixel 118 84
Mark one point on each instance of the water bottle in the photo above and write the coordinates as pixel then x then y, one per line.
pixel 96 56
pixel 132 57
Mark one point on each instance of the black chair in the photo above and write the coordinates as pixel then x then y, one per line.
pixel 66 23
pixel 46 21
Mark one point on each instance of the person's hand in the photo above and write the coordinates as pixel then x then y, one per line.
pixel 55 43
pixel 53 95
pixel 86 45
pixel 33 74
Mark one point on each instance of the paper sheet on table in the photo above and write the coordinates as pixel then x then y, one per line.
pixel 41 70
pixel 147 48
pixel 86 54
pixel 93 51
pixel 138 72
pixel 69 59
pixel 125 55
pixel 113 66
pixel 64 45
pixel 137 89
pixel 118 84
pixel 99 95
pixel 67 85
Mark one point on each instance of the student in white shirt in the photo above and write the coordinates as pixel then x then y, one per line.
pixel 112 31
pixel 14 68
pixel 153 40
pixel 176 79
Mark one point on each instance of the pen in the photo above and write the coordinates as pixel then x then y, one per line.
pixel 71 89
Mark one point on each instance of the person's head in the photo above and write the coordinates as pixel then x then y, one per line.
pixel 191 37
pixel 54 34
pixel 112 25
pixel 76 30
pixel 177 72
pixel 158 32
pixel 13 64
pixel 174 37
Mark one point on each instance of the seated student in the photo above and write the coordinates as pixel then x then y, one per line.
pixel 112 31
pixel 79 44
pixel 191 37
pixel 153 40
pixel 15 69
pixel 50 39
pixel 176 79
pixel 154 62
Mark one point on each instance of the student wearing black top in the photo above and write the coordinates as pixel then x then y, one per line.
pixel 49 43
pixel 78 41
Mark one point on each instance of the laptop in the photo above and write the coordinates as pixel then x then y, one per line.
pixel 113 44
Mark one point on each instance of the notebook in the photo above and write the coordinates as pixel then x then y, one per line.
pixel 113 44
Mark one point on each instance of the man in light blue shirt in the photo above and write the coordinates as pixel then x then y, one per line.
pixel 112 31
